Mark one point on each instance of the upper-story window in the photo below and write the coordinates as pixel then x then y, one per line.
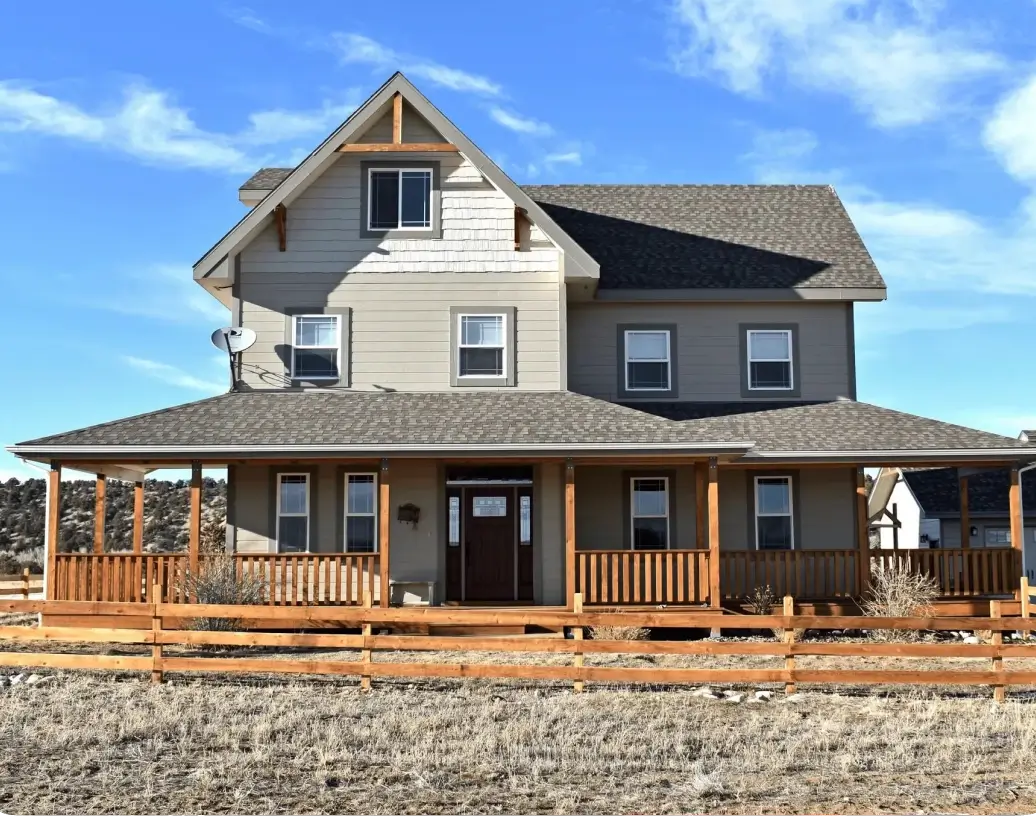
pixel 770 360
pixel 316 347
pixel 482 340
pixel 399 198
pixel 647 361
pixel 481 351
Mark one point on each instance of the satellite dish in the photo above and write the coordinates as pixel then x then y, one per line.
pixel 233 339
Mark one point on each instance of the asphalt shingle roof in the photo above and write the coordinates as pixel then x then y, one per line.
pixel 712 236
pixel 937 490
pixel 702 236
pixel 254 419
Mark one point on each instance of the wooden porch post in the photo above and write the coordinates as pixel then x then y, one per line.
pixel 570 535
pixel 384 512
pixel 194 527
pixel 715 594
pixel 53 539
pixel 863 544
pixel 99 500
pixel 965 516
pixel 1017 531
pixel 701 471
pixel 138 517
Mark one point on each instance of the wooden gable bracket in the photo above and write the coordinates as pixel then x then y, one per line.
pixel 397 118
pixel 519 217
pixel 280 218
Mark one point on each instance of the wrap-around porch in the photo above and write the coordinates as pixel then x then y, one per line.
pixel 566 544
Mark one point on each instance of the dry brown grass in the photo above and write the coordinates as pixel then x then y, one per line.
pixel 90 744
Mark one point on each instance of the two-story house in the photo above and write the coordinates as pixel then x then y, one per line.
pixel 468 391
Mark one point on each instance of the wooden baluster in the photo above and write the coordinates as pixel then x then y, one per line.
pixel 681 576
pixel 614 578
pixel 668 565
pixel 636 575
pixel 657 567
pixel 997 585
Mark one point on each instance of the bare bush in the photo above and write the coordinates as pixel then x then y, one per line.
pixel 218 582
pixel 762 600
pixel 619 632
pixel 897 591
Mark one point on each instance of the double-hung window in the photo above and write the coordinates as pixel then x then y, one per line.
pixel 399 198
pixel 649 513
pixel 361 513
pixel 316 347
pixel 998 537
pixel 773 513
pixel 292 512
pixel 648 360
pixel 770 360
pixel 481 351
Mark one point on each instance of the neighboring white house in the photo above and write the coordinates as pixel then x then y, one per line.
pixel 915 509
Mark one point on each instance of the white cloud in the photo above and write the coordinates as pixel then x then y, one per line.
pixel 171 375
pixel 519 124
pixel 149 126
pixel 888 57
pixel 566 157
pixel 357 48
pixel 1009 132
pixel 164 292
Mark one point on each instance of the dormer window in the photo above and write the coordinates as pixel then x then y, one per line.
pixel 399 199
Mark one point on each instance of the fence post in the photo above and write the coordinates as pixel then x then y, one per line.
pixel 789 639
pixel 1026 609
pixel 577 636
pixel 156 633
pixel 998 641
pixel 25 585
pixel 365 652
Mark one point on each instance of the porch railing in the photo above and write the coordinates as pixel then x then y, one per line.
pixel 960 572
pixel 643 576
pixel 297 579
pixel 805 574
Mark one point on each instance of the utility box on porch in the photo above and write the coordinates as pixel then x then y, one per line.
pixel 412 593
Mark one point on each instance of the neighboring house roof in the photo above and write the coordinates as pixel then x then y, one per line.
pixel 1027 436
pixel 937 491
pixel 695 236
pixel 713 236
pixel 375 422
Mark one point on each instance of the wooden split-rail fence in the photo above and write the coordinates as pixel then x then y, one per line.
pixel 367 618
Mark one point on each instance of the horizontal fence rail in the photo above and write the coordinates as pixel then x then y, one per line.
pixel 804 574
pixel 962 572
pixel 296 579
pixel 643 576
pixel 363 617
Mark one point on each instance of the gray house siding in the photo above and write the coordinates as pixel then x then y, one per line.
pixel 708 346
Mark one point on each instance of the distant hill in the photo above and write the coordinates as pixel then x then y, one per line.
pixel 166 507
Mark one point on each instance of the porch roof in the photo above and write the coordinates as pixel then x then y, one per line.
pixel 294 423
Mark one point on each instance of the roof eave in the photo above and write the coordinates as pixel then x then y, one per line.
pixel 898 457
pixel 826 293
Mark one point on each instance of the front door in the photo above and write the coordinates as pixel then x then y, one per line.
pixel 489 543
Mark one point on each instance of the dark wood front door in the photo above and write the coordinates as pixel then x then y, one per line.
pixel 489 543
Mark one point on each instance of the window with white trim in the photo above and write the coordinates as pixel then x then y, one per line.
pixel 648 360
pixel 361 512
pixel 770 360
pixel 316 347
pixel 292 512
pixel 998 537
pixel 649 513
pixel 482 349
pixel 773 513
pixel 399 199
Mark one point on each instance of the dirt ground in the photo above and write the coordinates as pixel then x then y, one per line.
pixel 95 744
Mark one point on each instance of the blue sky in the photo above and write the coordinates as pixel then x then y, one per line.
pixel 125 130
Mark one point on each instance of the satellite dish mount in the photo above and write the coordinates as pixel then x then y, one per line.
pixel 233 340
